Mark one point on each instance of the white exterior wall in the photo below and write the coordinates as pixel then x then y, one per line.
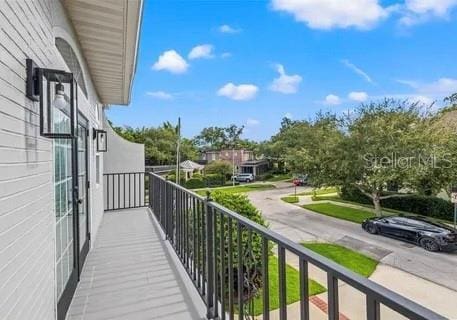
pixel 27 218
pixel 122 155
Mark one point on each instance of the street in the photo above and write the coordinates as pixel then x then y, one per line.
pixel 300 224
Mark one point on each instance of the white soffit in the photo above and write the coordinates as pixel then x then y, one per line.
pixel 108 32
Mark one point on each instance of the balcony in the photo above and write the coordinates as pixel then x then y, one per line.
pixel 164 252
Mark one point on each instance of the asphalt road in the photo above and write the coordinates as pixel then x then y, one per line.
pixel 300 224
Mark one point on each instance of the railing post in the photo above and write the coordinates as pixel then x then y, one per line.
pixel 210 263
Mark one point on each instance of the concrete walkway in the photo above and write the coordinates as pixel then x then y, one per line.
pixel 130 274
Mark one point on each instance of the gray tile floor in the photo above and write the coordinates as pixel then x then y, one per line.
pixel 131 274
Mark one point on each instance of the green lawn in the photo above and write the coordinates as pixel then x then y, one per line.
pixel 292 285
pixel 320 191
pixel 290 199
pixel 280 177
pixel 238 189
pixel 340 212
pixel 355 261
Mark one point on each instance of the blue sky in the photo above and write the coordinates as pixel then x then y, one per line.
pixel 251 63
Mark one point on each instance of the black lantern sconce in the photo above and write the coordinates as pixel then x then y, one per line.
pixel 56 92
pixel 101 140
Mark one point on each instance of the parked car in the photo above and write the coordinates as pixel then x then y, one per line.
pixel 432 236
pixel 244 177
pixel 301 180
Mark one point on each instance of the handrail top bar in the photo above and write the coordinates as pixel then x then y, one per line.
pixel 120 173
pixel 190 192
pixel 383 295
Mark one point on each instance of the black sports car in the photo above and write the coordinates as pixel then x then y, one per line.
pixel 431 236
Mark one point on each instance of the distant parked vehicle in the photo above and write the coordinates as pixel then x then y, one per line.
pixel 431 236
pixel 301 180
pixel 244 177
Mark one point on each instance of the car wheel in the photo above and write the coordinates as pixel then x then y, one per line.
pixel 371 228
pixel 429 244
pixel 248 181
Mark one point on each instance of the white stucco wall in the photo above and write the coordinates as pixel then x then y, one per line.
pixel 27 219
pixel 122 155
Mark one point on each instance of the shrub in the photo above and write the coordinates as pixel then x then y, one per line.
pixel 214 180
pixel 251 242
pixel 195 183
pixel 172 178
pixel 418 204
pixel 264 176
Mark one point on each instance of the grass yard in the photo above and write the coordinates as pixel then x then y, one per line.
pixel 290 199
pixel 238 189
pixel 280 177
pixel 320 191
pixel 355 261
pixel 340 212
pixel 292 285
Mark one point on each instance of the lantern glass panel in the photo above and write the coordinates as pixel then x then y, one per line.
pixel 57 104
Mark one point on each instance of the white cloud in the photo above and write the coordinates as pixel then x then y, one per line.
pixel 328 14
pixel 225 28
pixel 417 11
pixel 171 61
pixel 436 7
pixel 162 95
pixel 286 84
pixel 288 115
pixel 226 55
pixel 203 51
pixel 238 92
pixel 441 87
pixel 252 122
pixel 359 96
pixel 357 71
pixel 332 100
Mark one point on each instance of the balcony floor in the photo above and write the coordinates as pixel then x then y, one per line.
pixel 132 274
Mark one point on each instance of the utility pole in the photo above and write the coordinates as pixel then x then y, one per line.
pixel 233 165
pixel 178 156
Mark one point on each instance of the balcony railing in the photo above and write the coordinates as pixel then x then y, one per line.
pixel 125 190
pixel 215 246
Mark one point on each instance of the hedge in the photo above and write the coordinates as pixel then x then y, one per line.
pixel 195 183
pixel 423 205
pixel 214 180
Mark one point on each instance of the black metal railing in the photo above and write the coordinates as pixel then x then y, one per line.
pixel 125 190
pixel 227 257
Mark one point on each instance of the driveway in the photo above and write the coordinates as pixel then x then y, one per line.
pixel 300 224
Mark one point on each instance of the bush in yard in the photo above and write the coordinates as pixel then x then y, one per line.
pixel 424 205
pixel 195 183
pixel 251 242
pixel 214 180
pixel 221 168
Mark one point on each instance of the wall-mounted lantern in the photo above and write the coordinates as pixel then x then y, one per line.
pixel 56 92
pixel 100 137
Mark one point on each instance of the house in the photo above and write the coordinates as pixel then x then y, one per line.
pixel 78 54
pixel 256 167
pixel 236 156
pixel 85 233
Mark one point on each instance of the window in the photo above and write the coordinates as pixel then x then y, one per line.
pixel 70 58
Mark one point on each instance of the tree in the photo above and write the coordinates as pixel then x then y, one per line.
pixel 220 167
pixel 224 138
pixel 382 145
pixel 211 138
